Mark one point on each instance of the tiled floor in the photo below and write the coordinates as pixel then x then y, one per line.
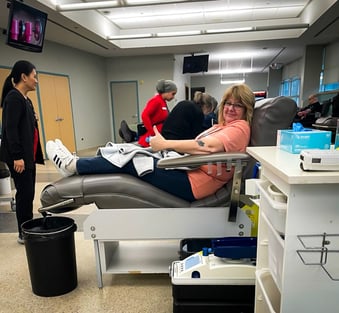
pixel 121 293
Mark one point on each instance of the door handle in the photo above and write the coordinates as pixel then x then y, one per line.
pixel 59 119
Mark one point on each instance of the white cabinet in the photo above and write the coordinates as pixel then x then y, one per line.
pixel 298 242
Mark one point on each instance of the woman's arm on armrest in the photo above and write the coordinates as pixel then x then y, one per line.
pixel 197 160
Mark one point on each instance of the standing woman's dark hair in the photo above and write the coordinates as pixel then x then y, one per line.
pixel 20 145
pixel 19 68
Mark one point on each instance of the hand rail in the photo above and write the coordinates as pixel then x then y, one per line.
pixel 55 206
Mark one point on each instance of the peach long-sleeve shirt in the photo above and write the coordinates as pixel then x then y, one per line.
pixel 235 137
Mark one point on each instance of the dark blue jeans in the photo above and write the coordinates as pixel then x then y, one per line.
pixel 175 182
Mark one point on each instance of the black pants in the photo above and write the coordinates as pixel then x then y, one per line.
pixel 25 190
pixel 173 181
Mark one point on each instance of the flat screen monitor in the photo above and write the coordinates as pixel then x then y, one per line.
pixel 195 64
pixel 260 95
pixel 26 27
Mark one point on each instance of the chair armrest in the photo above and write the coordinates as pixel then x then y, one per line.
pixel 201 159
pixel 236 160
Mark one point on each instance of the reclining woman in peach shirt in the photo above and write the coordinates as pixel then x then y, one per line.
pixel 231 134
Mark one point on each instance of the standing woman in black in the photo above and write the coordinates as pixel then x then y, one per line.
pixel 20 146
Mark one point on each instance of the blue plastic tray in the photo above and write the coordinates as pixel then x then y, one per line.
pixel 235 247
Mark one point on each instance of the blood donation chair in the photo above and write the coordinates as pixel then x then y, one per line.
pixel 136 226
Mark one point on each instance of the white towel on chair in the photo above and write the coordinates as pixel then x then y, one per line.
pixel 143 164
pixel 119 154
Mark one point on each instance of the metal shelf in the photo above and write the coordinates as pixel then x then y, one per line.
pixel 317 251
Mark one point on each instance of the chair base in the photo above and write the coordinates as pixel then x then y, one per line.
pixel 147 240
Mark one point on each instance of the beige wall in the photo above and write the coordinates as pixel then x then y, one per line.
pixel 88 86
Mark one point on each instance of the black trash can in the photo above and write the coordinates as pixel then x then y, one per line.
pixel 50 251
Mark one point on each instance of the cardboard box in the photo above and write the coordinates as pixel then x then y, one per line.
pixel 295 141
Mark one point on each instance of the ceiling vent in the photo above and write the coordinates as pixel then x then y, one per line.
pixel 276 66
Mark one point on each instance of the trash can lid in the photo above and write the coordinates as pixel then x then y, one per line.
pixel 47 225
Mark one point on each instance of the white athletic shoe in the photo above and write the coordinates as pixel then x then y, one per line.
pixel 62 147
pixel 60 156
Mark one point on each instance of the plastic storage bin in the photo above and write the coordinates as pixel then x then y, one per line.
pixel 50 251
pixel 268 295
pixel 274 204
pixel 225 247
pixel 235 247
pixel 275 252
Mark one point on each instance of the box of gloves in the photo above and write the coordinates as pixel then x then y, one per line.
pixel 297 139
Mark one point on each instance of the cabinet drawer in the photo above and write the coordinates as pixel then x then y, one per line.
pixel 275 252
pixel 274 204
pixel 268 295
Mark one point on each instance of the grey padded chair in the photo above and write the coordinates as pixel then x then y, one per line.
pixel 135 225
pixel 111 191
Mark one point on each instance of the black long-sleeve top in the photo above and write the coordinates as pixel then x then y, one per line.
pixel 19 126
pixel 185 121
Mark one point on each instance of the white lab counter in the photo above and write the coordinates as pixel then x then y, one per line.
pixel 301 257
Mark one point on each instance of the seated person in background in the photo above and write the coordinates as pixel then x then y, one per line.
pixel 127 134
pixel 335 106
pixel 307 115
pixel 231 134
pixel 156 111
pixel 187 118
pixel 211 118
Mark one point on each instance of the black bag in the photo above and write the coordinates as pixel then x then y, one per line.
pixel 141 129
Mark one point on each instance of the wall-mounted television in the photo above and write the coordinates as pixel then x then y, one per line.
pixel 262 94
pixel 26 27
pixel 195 64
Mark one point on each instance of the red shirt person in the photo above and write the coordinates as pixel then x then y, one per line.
pixel 156 110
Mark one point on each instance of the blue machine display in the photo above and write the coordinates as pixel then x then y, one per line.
pixel 216 279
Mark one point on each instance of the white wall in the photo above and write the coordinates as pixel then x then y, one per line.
pixel 88 86
pixel 256 81
pixel 146 70
pixel 182 80
pixel 331 70
pixel 293 69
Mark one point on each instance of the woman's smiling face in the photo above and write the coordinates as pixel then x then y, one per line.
pixel 233 110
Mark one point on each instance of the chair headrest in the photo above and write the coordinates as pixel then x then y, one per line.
pixel 269 116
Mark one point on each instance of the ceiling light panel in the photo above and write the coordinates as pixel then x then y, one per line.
pixel 156 21
pixel 207 12
pixel 90 5
pixel 144 2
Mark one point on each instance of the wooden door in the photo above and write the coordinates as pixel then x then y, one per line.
pixel 56 109
pixel 4 72
pixel 125 105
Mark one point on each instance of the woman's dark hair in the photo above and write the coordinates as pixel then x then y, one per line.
pixel 19 68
